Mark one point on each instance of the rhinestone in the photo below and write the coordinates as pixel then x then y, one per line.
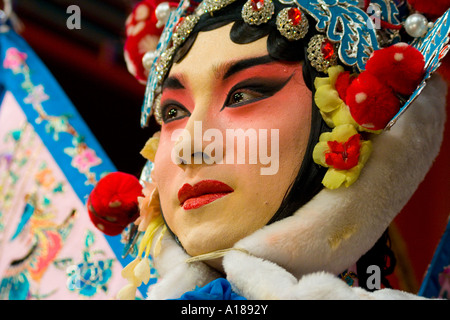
pixel 257 5
pixel 295 15
pixel 327 49
pixel 292 23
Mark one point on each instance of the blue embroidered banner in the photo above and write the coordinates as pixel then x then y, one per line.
pixel 49 163
pixel 437 279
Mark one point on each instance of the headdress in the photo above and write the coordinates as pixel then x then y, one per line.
pixel 375 57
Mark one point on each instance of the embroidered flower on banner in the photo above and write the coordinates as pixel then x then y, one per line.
pixel 91 275
pixel 14 60
pixel 45 178
pixel 83 158
pixel 58 124
pixel 36 96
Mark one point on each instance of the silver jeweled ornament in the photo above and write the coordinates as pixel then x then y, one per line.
pixel 256 12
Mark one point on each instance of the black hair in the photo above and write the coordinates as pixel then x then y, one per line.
pixel 308 181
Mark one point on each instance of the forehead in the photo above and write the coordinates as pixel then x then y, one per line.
pixel 213 51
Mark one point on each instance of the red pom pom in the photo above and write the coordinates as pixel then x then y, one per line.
pixel 433 9
pixel 372 104
pixel 399 66
pixel 343 81
pixel 113 203
pixel 142 36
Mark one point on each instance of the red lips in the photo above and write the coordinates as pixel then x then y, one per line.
pixel 202 193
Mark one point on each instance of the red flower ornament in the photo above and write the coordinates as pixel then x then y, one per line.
pixel 343 155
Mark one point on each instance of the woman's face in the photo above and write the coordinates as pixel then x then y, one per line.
pixel 211 193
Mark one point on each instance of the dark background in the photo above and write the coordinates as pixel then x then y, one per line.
pixel 89 65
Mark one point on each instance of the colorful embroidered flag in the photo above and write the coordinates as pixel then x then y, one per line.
pixel 436 283
pixel 49 163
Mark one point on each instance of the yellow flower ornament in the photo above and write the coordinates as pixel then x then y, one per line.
pixel 150 222
pixel 148 206
pixel 342 151
pixel 149 150
pixel 334 111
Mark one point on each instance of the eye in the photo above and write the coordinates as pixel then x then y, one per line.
pixel 252 90
pixel 171 111
pixel 242 96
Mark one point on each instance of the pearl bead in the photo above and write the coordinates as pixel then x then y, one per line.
pixel 148 58
pixel 416 25
pixel 162 13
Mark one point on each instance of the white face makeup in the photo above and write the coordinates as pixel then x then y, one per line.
pixel 220 86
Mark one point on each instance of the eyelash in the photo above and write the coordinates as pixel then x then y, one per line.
pixel 257 92
pixel 260 88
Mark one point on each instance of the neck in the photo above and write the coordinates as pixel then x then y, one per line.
pixel 214 259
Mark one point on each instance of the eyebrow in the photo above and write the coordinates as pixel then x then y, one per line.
pixel 227 70
pixel 222 71
pixel 172 83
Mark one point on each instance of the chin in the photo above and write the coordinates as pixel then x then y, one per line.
pixel 198 243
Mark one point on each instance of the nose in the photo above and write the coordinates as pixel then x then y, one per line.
pixel 193 147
